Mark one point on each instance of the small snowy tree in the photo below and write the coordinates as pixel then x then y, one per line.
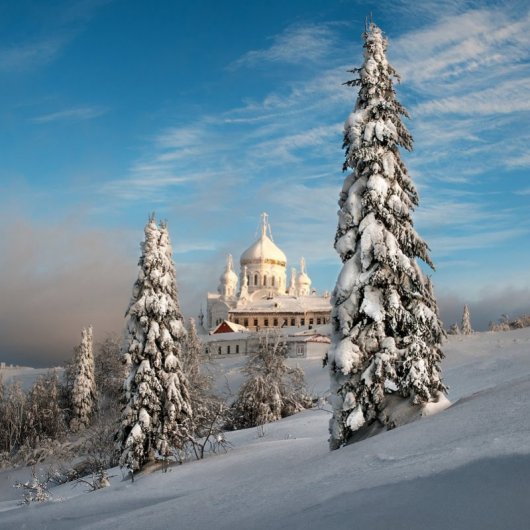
pixel 157 412
pixel 386 330
pixel 84 386
pixel 272 389
pixel 466 322
pixel 192 351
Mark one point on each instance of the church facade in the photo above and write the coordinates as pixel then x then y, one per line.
pixel 260 297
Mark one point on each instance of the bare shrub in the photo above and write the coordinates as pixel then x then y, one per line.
pixel 272 390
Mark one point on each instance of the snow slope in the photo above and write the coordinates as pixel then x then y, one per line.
pixel 466 467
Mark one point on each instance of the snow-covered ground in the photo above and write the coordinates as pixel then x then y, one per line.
pixel 466 467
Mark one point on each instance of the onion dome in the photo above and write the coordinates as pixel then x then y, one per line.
pixel 303 282
pixel 263 250
pixel 228 280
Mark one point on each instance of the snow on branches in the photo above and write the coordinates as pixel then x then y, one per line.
pixel 387 333
pixel 156 418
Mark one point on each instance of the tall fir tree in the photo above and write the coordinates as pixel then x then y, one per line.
pixel 83 397
pixel 386 330
pixel 157 414
pixel 466 322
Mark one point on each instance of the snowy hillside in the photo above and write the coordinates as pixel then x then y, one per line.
pixel 466 467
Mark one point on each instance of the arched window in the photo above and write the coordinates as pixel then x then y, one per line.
pixel 265 281
pixel 272 281
pixel 255 279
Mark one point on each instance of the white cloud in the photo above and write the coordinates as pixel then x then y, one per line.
pixel 71 114
pixel 30 54
pixel 297 44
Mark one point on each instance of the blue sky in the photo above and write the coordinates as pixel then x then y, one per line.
pixel 210 113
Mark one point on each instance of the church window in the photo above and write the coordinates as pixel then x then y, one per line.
pixel 228 349
pixel 219 350
pixel 265 281
pixel 237 348
pixel 255 279
pixel 266 322
pixel 272 281
pixel 275 322
pixel 245 322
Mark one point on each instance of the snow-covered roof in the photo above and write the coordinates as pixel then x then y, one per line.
pixel 285 304
pixel 226 324
pixel 324 329
pixel 234 335
pixel 324 339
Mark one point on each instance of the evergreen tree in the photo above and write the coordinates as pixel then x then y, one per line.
pixel 386 330
pixel 84 386
pixel 466 322
pixel 157 412
pixel 192 352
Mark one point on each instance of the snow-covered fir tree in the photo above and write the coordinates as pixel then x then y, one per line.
pixel 157 414
pixel 192 351
pixel 386 330
pixel 466 322
pixel 84 387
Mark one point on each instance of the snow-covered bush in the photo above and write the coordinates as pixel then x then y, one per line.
pixel 505 324
pixel 32 423
pixel 156 417
pixel 98 480
pixel 454 329
pixel 12 416
pixel 84 385
pixel 386 330
pixel 44 418
pixel 272 389
pixel 34 490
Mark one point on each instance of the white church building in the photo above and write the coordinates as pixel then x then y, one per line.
pixel 261 298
